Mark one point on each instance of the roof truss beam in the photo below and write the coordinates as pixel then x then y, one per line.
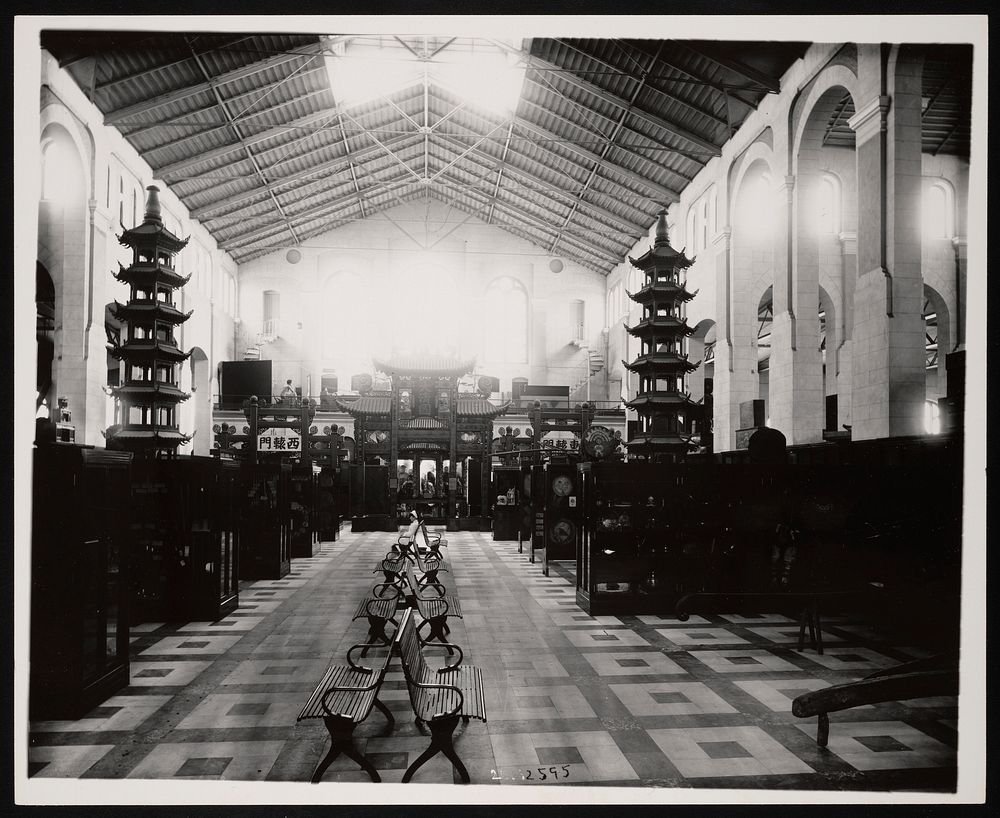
pixel 664 193
pixel 630 229
pixel 330 167
pixel 120 115
pixel 709 147
pixel 765 81
pixel 621 70
pixel 239 135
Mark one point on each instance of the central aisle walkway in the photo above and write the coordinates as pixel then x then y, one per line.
pixel 571 699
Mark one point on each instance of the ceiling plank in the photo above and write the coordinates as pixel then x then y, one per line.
pixel 178 94
pixel 319 119
pixel 666 194
pixel 598 212
pixel 544 226
pixel 621 70
pixel 765 81
pixel 330 167
pixel 238 133
pixel 709 147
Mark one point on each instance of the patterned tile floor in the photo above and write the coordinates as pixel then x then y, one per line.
pixel 571 699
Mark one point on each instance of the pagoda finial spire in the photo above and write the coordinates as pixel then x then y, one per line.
pixel 153 205
pixel 661 229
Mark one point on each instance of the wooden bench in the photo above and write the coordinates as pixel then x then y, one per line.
pixel 433 541
pixel 343 699
pixel 393 567
pixel 934 676
pixel 439 697
pixel 435 606
pixel 379 609
pixel 429 566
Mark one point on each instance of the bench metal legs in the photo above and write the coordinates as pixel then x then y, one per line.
pixel 441 741
pixel 439 630
pixel 376 631
pixel 341 731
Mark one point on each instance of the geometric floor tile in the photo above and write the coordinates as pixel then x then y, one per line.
pixel 777 694
pixel 633 663
pixel 789 635
pixel 704 752
pixel 605 639
pixel 276 671
pixel 230 623
pixel 115 713
pixel 700 637
pixel 222 710
pixel 670 699
pixel 156 674
pixel 258 606
pixel 649 619
pixel 578 757
pixel 563 618
pixel 191 645
pixel 542 702
pixel 571 698
pixel 742 661
pixel 885 745
pixel 857 659
pixel 69 761
pixel 226 760
pixel 758 619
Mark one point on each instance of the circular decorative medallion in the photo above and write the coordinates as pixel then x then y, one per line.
pixel 562 532
pixel 562 486
pixel 598 443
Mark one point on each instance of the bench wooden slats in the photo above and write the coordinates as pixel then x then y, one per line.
pixel 353 704
pixel 344 698
pixel 439 697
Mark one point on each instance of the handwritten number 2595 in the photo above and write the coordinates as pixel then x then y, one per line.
pixel 542 774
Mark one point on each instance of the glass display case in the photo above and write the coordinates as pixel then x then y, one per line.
pixel 647 536
pixel 507 495
pixel 184 532
pixel 265 522
pixel 79 579
pixel 303 486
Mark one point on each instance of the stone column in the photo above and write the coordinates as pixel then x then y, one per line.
pixel 888 378
pixel 734 362
pixel 795 391
pixel 845 349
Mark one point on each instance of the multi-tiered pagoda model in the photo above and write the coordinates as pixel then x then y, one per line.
pixel 662 402
pixel 149 391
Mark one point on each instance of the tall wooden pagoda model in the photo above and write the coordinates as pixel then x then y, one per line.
pixel 664 406
pixel 149 391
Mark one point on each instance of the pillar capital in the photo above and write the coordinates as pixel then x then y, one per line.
pixel 848 241
pixel 870 119
pixel 723 238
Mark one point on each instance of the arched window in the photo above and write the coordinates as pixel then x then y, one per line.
pixel 692 233
pixel 272 314
pixel 506 327
pixel 828 204
pixel 59 171
pixel 938 216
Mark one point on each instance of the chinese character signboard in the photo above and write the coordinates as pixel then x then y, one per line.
pixel 279 440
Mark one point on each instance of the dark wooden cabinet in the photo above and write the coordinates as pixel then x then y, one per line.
pixel 79 570
pixel 265 520
pixel 305 521
pixel 186 539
